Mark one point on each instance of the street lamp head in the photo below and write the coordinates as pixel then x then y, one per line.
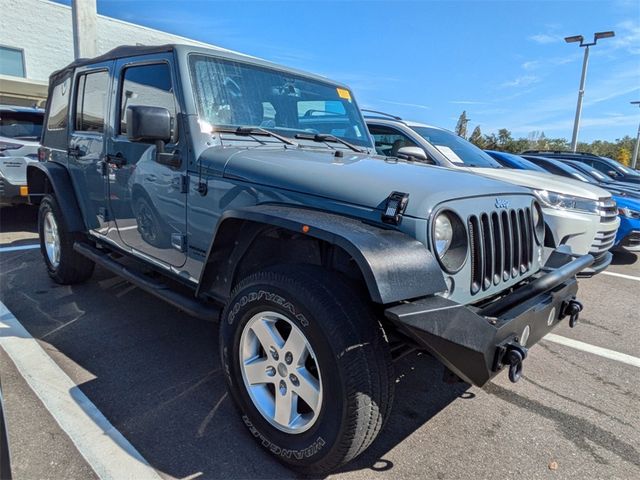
pixel 575 38
pixel 600 35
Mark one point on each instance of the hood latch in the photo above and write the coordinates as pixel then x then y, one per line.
pixel 394 208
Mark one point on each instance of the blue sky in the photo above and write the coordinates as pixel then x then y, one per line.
pixel 504 62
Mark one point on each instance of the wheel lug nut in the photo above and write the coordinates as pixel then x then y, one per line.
pixel 294 380
pixel 274 353
pixel 271 371
pixel 288 358
pixel 283 388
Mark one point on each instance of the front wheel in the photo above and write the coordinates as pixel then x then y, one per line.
pixel 308 366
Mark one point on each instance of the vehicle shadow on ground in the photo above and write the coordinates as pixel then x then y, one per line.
pixel 16 223
pixel 624 257
pixel 155 374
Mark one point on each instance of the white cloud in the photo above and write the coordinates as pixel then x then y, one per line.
pixel 545 38
pixel 467 102
pixel 521 81
pixel 404 104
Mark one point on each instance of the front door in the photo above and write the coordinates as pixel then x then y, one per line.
pixel 147 199
pixel 91 88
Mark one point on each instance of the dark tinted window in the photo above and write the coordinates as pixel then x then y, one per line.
pixel 59 106
pixel 91 101
pixel 148 85
pixel 21 125
pixel 389 140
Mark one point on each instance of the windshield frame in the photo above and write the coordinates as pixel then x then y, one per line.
pixel 355 116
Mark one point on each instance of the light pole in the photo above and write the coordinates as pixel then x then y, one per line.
pixel 634 160
pixel 580 38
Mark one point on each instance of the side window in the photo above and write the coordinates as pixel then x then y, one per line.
pixel 148 85
pixel 389 140
pixel 602 167
pixel 59 106
pixel 91 101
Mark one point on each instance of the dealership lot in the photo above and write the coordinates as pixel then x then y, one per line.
pixel 152 372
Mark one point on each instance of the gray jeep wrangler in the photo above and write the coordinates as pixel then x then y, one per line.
pixel 247 192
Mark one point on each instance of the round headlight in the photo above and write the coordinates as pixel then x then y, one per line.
pixel 538 222
pixel 442 234
pixel 450 241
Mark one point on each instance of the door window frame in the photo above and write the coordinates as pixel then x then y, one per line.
pixel 74 110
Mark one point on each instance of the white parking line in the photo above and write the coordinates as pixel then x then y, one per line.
pixel 622 275
pixel 104 448
pixel 586 347
pixel 18 248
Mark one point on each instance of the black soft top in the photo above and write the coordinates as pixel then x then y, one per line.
pixel 118 52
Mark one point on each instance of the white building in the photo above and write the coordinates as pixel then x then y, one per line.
pixel 36 38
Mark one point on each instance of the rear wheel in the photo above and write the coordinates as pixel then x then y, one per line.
pixel 308 366
pixel 65 266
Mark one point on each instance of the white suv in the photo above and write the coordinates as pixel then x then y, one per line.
pixel 20 129
pixel 582 216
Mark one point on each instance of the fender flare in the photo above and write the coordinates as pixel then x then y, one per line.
pixel 57 179
pixel 395 266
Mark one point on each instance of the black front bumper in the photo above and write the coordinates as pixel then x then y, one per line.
pixel 476 343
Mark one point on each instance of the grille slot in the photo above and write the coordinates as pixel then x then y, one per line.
pixel 501 247
pixel 607 209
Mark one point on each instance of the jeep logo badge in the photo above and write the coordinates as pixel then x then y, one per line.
pixel 502 203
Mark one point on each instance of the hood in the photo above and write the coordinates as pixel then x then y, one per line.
pixel 545 181
pixel 632 203
pixel 356 179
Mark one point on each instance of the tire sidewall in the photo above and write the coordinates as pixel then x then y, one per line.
pixel 296 449
pixel 46 206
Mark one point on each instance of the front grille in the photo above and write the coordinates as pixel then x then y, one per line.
pixel 501 246
pixel 603 242
pixel 607 209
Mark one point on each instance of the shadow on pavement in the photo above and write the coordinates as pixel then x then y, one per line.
pixel 18 225
pixel 624 257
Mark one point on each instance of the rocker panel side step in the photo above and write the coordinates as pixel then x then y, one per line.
pixel 185 303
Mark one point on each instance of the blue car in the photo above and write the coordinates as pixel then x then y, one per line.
pixel 628 235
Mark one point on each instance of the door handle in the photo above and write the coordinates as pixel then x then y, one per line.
pixel 116 160
pixel 74 151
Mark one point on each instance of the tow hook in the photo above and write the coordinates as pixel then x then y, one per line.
pixel 573 309
pixel 511 354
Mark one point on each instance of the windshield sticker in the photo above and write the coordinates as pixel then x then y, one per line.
pixel 450 154
pixel 344 93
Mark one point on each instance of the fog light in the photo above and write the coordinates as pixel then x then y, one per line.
pixel 552 317
pixel 525 336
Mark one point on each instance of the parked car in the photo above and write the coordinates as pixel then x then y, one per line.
pixel 628 203
pixel 580 216
pixel 604 180
pixel 20 129
pixel 605 165
pixel 322 256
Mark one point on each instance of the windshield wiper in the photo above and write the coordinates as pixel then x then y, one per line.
pixel 248 131
pixel 321 137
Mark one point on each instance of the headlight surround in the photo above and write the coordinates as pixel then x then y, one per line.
pixel 538 222
pixel 561 201
pixel 627 212
pixel 450 240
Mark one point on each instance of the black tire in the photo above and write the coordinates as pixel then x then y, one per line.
pixel 71 267
pixel 350 348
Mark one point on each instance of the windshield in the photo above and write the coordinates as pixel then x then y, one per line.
pixel 621 168
pixel 456 149
pixel 595 173
pixel 230 93
pixel 21 125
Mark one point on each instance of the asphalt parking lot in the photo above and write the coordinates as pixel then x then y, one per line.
pixel 153 373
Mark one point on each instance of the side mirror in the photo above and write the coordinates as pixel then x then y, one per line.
pixel 414 152
pixel 152 125
pixel 148 124
pixel 612 173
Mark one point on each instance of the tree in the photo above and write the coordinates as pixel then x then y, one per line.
pixel 504 138
pixel 461 126
pixel 623 156
pixel 476 137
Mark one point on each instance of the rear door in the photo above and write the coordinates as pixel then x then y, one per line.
pixel 147 199
pixel 91 94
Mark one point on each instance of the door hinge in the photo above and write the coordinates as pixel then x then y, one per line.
pixel 104 213
pixel 184 184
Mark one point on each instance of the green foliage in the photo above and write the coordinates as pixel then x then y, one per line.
pixel 619 150
pixel 461 126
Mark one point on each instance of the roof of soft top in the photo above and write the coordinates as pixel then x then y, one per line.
pixel 135 50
